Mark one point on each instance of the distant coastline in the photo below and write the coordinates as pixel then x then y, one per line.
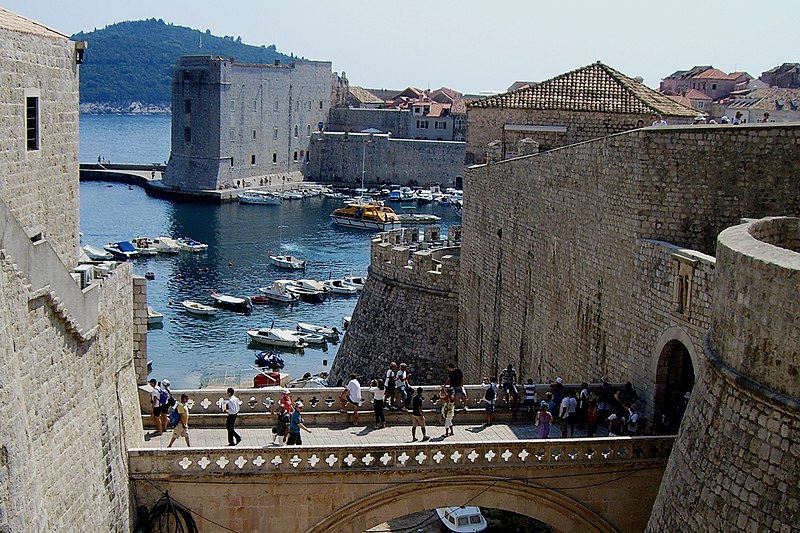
pixel 133 108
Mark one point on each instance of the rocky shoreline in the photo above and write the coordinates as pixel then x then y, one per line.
pixel 132 108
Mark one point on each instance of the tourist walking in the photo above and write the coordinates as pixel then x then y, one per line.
pixel 280 431
pixel 455 379
pixel 404 386
pixel 377 389
pixel 296 424
pixel 231 408
pixel 448 411
pixel 351 395
pixel 530 398
pixel 181 429
pixel 155 407
pixel 592 416
pixel 489 397
pixel 544 421
pixel 167 402
pixel 417 417
pixel 583 404
pixel 567 414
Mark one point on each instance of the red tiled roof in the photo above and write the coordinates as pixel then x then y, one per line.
pixel 694 94
pixel 712 74
pixel 596 87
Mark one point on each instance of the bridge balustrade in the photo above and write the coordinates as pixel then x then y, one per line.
pixel 547 453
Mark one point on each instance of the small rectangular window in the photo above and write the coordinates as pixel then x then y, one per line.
pixel 187 135
pixel 295 157
pixel 32 122
pixel 254 135
pixel 187 106
pixel 308 155
pixel 275 132
pixel 255 106
pixel 296 131
pixel 308 130
pixel 233 134
pixel 253 159
pixel 320 105
pixel 274 157
pixel 233 106
pixel 275 106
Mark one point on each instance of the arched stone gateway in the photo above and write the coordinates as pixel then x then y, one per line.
pixel 675 378
pixel 529 499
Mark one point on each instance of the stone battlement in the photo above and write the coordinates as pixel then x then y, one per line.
pixel 431 264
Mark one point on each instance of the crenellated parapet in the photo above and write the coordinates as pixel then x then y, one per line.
pixel 408 311
pixel 429 264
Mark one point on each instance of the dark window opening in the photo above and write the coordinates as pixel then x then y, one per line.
pixel 187 135
pixel 32 122
pixel 253 159
pixel 187 106
pixel 274 158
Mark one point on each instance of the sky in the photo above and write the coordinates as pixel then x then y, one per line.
pixel 473 47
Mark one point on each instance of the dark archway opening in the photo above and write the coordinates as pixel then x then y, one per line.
pixel 674 384
pixel 498 521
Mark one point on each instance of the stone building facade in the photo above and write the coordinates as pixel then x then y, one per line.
pixel 339 158
pixel 601 259
pixel 68 398
pixel 233 121
pixel 587 103
pixel 408 309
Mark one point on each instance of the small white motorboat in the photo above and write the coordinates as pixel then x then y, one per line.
pixel 190 245
pixel 166 245
pixel 293 194
pixel 278 292
pixel 198 308
pixel 356 281
pixel 276 337
pixel 144 246
pixel 462 519
pixel 308 290
pixel 259 197
pixel 121 250
pixel 338 286
pixel 97 254
pixel 153 316
pixel 325 331
pixel 311 338
pixel 233 303
pixel 288 261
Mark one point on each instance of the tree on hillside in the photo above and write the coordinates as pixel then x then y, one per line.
pixel 132 61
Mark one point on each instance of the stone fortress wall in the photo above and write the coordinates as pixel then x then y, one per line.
pixel 408 309
pixel 734 465
pixel 68 400
pixel 232 122
pixel 336 157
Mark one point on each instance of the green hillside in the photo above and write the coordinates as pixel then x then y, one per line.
pixel 132 61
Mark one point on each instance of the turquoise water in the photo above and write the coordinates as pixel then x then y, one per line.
pixel 191 350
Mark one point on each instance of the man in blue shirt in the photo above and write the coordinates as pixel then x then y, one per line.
pixel 296 424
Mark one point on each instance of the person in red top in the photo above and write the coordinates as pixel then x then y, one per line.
pixel 286 401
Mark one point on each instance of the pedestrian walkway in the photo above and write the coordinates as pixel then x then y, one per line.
pixel 365 435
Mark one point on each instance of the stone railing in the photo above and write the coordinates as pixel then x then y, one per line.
pixel 486 456
pixel 326 399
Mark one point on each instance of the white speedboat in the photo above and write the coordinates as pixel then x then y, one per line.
pixel 466 519
pixel 153 316
pixel 190 245
pixel 308 290
pixel 121 250
pixel 338 286
pixel 325 331
pixel 144 246
pixel 311 338
pixel 233 303
pixel 166 245
pixel 197 308
pixel 276 337
pixel 288 261
pixel 407 195
pixel 259 197
pixel 292 195
pixel 97 254
pixel 278 292
pixel 356 281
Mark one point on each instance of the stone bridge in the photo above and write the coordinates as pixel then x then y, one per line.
pixel 368 477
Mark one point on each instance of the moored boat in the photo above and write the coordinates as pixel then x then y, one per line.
pixel 288 261
pixel 325 331
pixel 259 197
pixel 276 337
pixel 97 254
pixel 144 246
pixel 465 519
pixel 356 281
pixel 166 245
pixel 366 216
pixel 278 292
pixel 153 316
pixel 121 250
pixel 418 218
pixel 338 286
pixel 190 245
pixel 308 290
pixel 199 309
pixel 233 303
pixel 311 338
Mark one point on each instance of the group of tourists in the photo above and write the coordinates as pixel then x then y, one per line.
pixel 166 411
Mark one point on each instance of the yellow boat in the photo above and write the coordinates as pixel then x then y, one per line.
pixel 366 216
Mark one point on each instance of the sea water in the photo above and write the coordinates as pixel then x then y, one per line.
pixel 193 351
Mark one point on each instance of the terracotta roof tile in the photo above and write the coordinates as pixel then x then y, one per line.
pixel 596 87
pixel 364 96
pixel 17 23
pixel 694 94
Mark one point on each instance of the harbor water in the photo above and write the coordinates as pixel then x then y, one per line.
pixel 193 351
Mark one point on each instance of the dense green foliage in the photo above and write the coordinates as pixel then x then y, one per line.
pixel 132 61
